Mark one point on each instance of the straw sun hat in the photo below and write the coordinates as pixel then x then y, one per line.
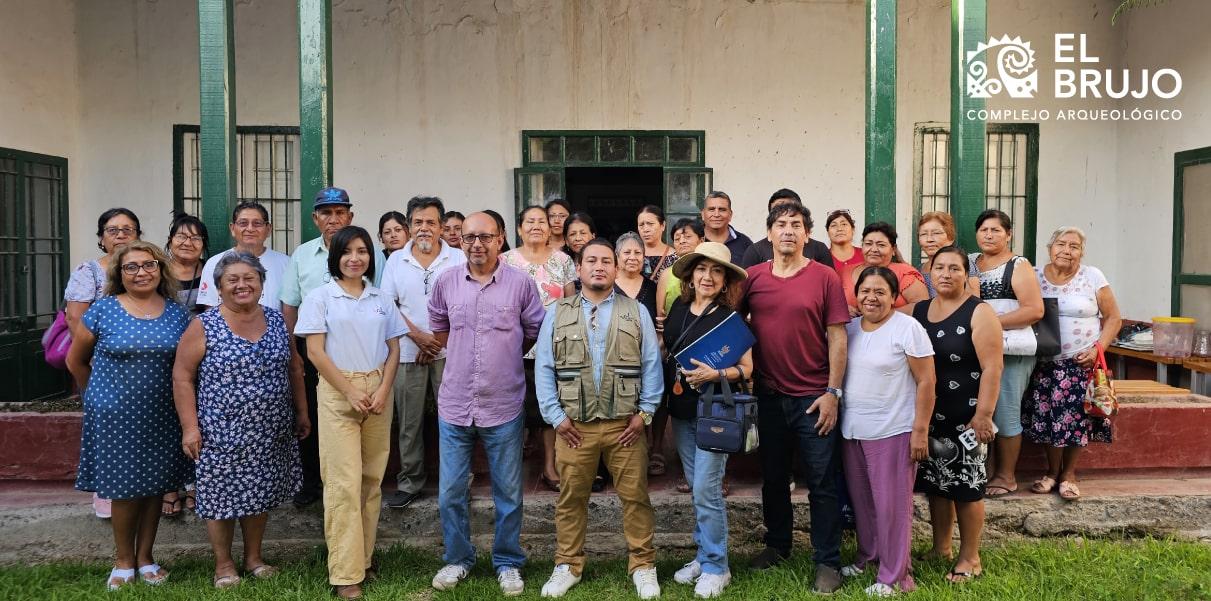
pixel 683 267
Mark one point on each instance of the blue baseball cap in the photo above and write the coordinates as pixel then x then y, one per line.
pixel 332 196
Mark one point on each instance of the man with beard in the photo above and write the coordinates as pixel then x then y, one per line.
pixel 408 278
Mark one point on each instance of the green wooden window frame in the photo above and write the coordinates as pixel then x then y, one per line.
pixel 282 201
pixel 1179 276
pixel 545 154
pixel 932 139
pixel 35 250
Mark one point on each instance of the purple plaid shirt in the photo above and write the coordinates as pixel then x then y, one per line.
pixel 484 382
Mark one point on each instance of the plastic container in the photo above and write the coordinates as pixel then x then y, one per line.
pixel 1202 343
pixel 1172 336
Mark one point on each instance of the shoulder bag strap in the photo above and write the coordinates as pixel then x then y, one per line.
pixel 676 347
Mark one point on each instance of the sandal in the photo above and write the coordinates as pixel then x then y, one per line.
pixel 683 486
pixel 552 485
pixel 264 571
pixel 727 488
pixel 171 508
pixel 656 465
pixel 990 491
pixel 119 577
pixel 228 581
pixel 957 577
pixel 1043 485
pixel 1069 491
pixel 152 574
pixel 349 591
pixel 191 499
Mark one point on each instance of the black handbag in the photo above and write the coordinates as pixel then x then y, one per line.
pixel 1047 329
pixel 727 421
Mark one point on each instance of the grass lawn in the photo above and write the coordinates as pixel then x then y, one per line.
pixel 1051 569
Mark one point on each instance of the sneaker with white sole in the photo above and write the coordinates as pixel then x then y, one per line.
pixel 689 573
pixel 879 589
pixel 646 584
pixel 712 585
pixel 561 580
pixel 511 584
pixel 448 577
pixel 851 570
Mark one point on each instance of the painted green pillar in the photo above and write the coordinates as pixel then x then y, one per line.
pixel 216 74
pixel 315 105
pixel 968 28
pixel 881 111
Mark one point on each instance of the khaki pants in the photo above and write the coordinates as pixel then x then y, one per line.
pixel 629 468
pixel 353 456
pixel 412 382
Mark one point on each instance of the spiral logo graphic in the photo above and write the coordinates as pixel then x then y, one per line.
pixel 1015 69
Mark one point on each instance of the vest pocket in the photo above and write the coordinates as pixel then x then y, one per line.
pixel 628 344
pixel 569 350
pixel 626 392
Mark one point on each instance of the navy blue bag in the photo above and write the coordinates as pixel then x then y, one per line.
pixel 727 422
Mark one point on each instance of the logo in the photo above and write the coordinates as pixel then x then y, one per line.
pixel 717 429
pixel 725 350
pixel 1015 69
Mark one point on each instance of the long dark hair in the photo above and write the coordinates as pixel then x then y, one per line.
pixel 341 241
pixel 500 227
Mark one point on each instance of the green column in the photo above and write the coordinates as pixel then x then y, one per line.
pixel 968 28
pixel 881 111
pixel 315 104
pixel 216 74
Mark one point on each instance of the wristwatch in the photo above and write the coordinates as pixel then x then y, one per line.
pixel 645 416
pixel 837 392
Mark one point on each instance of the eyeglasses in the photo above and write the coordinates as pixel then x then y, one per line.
pixel 256 225
pixel 428 279
pixel 470 239
pixel 114 231
pixel 148 266
pixel 183 238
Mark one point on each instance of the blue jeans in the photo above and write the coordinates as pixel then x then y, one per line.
pixel 704 471
pixel 502 444
pixel 782 423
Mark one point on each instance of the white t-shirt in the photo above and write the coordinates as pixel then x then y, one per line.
pixel 880 391
pixel 1080 321
pixel 404 281
pixel 274 263
pixel 356 329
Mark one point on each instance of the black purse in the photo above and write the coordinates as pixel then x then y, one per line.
pixel 1047 329
pixel 727 421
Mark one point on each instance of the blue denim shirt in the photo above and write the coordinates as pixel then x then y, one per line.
pixel 651 384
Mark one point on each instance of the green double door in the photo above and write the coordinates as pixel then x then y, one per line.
pixel 33 270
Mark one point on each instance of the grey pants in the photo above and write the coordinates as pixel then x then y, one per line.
pixel 412 382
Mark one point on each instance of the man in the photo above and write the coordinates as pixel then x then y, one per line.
pixel 250 228
pixel 306 271
pixel 598 377
pixel 486 315
pixel 763 250
pixel 798 315
pixel 717 215
pixel 408 278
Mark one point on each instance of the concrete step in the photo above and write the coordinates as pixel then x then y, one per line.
pixel 45 521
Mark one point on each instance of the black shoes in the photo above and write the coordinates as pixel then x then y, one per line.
pixel 768 558
pixel 306 497
pixel 400 499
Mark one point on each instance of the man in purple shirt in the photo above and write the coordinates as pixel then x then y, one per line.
pixel 487 315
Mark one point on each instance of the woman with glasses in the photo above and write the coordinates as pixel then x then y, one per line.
pixel 115 227
pixel 840 226
pixel 250 228
pixel 121 358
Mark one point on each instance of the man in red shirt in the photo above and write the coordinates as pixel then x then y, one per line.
pixel 798 315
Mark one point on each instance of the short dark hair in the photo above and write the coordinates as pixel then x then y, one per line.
pixel 596 242
pixel 997 214
pixel 653 209
pixel 839 214
pixel 180 220
pixel 954 249
pixel 888 276
pixel 417 203
pixel 783 193
pixel 693 223
pixel 453 215
pixel 560 203
pixel 720 194
pixel 250 204
pixel 522 215
pixel 395 216
pixel 581 217
pixel 887 230
pixel 789 209
pixel 341 241
pixel 500 228
pixel 110 214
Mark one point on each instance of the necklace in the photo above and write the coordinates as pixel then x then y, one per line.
pixel 139 307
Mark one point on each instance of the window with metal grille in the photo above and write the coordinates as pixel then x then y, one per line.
pixel 1011 161
pixel 267 168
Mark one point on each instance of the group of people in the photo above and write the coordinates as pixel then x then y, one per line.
pixel 234 384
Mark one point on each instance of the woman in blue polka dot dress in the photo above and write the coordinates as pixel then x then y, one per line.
pixel 121 357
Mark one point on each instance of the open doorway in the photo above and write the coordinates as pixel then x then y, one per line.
pixel 613 195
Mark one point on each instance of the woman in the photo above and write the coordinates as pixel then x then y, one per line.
pixel 1053 411
pixel 500 226
pixel 452 228
pixel 352 332
pixel 840 226
pixel 688 233
pixel 712 285
pixel 630 280
pixel 238 386
pixel 879 250
pixel 552 271
pixel 121 358
pixel 250 228
pixel 558 211
pixel 1009 285
pixel 657 256
pixel 935 229
pixel 966 339
pixel 86 285
pixel 578 230
pixel 392 232
pixel 889 398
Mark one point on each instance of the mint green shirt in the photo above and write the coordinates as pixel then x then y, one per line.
pixel 308 270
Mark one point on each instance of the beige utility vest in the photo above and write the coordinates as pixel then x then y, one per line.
pixel 583 400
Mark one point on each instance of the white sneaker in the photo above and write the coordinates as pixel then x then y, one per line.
pixel 448 577
pixel 102 508
pixel 561 580
pixel 879 589
pixel 511 584
pixel 851 570
pixel 712 585
pixel 646 584
pixel 689 573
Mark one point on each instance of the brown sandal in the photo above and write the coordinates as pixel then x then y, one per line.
pixel 1043 485
pixel 349 591
pixel 1069 491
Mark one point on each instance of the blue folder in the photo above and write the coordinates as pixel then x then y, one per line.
pixel 721 347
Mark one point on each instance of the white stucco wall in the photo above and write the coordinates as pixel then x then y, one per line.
pixel 430 97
